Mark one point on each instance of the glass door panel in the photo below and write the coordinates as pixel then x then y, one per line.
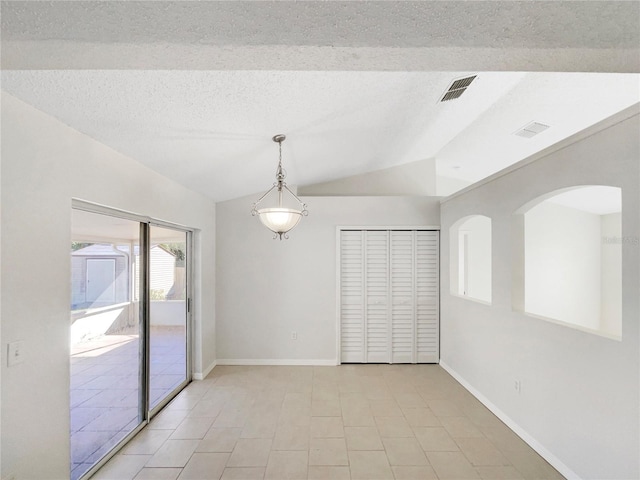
pixel 106 341
pixel 168 261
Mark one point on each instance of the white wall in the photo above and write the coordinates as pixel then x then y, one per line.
pixel 415 178
pixel 562 264
pixel 270 288
pixel 446 186
pixel 579 392
pixel 1 264
pixel 611 257
pixel 45 164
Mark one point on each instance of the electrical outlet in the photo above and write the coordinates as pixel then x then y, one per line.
pixel 294 335
pixel 15 353
pixel 517 385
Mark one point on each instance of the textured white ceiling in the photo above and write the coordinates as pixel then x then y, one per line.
pixel 211 131
pixel 320 35
pixel 195 90
pixel 567 102
pixel 339 23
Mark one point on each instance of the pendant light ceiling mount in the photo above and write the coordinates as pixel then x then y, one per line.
pixel 280 219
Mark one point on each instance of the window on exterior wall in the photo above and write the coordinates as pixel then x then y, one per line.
pixel 572 245
pixel 470 250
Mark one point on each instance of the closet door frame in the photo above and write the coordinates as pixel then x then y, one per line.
pixel 339 230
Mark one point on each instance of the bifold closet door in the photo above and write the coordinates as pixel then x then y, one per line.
pixel 352 296
pixel 376 320
pixel 402 283
pixel 364 294
pixel 427 296
pixel 389 299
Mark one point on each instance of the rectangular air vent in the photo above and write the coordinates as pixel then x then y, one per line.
pixel 457 88
pixel 531 130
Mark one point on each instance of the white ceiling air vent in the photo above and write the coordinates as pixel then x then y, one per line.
pixel 457 88
pixel 531 130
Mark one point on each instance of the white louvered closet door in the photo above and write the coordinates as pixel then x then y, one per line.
pixel 402 280
pixel 352 300
pixel 427 297
pixel 376 319
pixel 389 296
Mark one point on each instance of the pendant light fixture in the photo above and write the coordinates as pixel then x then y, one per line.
pixel 280 218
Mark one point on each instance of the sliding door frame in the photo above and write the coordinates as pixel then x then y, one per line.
pixel 188 322
pixel 339 230
pixel 145 302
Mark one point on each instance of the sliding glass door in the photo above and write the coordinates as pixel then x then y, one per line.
pixel 106 340
pixel 129 350
pixel 168 284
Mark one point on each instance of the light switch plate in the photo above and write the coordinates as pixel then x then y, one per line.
pixel 15 353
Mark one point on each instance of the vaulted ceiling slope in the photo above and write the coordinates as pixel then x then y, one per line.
pixel 195 90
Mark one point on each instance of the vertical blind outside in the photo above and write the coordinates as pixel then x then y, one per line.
pixel 389 298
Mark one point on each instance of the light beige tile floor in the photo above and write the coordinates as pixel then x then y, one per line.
pixel 323 423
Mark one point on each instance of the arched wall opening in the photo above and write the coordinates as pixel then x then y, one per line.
pixel 470 250
pixel 567 265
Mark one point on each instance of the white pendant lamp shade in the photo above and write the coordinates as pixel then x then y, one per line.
pixel 280 219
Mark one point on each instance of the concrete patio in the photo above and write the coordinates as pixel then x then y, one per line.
pixel 105 388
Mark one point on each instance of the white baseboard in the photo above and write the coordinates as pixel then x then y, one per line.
pixel 532 442
pixel 277 361
pixel 207 371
